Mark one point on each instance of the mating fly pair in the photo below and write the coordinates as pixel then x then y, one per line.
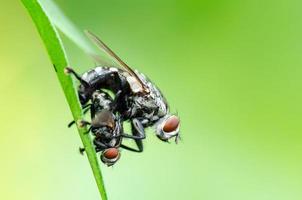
pixel 136 99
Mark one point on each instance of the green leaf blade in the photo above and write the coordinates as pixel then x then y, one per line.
pixel 59 59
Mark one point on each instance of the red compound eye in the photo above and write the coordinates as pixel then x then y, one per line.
pixel 111 153
pixel 171 124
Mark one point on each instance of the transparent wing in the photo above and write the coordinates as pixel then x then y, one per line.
pixel 102 46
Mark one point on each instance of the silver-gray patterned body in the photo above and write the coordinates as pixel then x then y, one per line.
pixel 148 108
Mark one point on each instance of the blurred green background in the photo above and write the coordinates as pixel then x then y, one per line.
pixel 232 70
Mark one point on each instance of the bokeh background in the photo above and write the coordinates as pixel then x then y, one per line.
pixel 232 70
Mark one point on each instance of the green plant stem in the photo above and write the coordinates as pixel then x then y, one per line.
pixel 58 57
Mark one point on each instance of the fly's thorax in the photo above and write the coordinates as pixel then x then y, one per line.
pixel 155 94
pixel 148 106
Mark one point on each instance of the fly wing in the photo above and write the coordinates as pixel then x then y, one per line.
pixel 101 45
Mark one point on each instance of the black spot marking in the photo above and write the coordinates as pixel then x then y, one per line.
pixel 54 66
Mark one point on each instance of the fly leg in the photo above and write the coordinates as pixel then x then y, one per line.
pixel 83 123
pixel 138 135
pixel 138 130
pixel 130 148
pixel 99 146
pixel 69 70
pixel 86 109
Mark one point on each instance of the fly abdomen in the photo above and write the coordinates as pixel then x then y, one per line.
pixel 104 77
pixel 101 100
